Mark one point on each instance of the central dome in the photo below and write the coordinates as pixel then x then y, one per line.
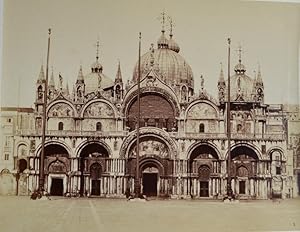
pixel 171 66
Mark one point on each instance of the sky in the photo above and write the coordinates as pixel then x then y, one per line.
pixel 269 34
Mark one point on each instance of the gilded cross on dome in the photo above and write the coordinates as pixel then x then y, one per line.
pixel 97 49
pixel 162 17
pixel 239 50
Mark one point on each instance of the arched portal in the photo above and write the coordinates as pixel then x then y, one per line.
pixel 91 167
pixel 244 170
pixel 57 165
pixel 204 171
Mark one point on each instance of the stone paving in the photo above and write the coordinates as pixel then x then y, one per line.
pixel 20 214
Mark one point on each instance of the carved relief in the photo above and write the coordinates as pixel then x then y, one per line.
pixel 151 147
pixel 61 110
pixel 99 109
pixel 201 111
pixel 57 167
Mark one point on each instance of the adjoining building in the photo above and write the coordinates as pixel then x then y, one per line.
pixel 91 135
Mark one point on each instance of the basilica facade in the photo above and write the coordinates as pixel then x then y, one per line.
pixel 183 152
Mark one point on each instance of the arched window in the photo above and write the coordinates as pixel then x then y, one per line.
pixel 60 126
pixel 98 126
pixel 201 128
pixel 239 128
pixel 40 92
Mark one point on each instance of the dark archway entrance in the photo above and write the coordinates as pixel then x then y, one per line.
pixel 204 175
pixel 95 173
pixel 91 153
pixel 150 179
pixel 57 187
pixel 204 171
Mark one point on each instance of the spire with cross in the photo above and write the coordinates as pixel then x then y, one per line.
pixel 240 53
pixel 97 51
pixel 171 25
pixel 162 18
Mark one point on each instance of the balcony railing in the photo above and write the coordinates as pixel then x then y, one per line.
pixel 234 136
pixel 64 133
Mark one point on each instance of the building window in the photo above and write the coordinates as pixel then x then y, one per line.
pixel 201 128
pixel 239 128
pixel 98 126
pixel 60 126
pixel 9 120
pixel 6 157
pixel 278 170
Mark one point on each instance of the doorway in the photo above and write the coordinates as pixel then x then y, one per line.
pixel 242 187
pixel 204 189
pixel 96 187
pixel 150 184
pixel 57 187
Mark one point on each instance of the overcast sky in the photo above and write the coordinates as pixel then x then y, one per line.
pixel 268 32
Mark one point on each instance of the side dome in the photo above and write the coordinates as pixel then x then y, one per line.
pixel 241 85
pixel 96 79
pixel 171 66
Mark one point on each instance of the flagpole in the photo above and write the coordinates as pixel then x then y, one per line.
pixel 229 189
pixel 44 122
pixel 137 174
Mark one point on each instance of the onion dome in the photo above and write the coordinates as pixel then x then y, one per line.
pixel 173 45
pixel 96 67
pixel 96 79
pixel 162 42
pixel 171 66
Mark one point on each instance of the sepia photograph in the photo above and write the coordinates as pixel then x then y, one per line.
pixel 140 115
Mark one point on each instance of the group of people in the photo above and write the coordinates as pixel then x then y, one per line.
pixel 38 194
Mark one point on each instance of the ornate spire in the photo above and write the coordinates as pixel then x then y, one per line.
pixel 119 74
pixel 67 88
pixel 259 79
pixel 221 78
pixel 80 78
pixel 60 82
pixel 51 82
pixel 42 75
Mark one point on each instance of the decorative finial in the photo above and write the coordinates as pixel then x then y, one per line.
pixel 229 41
pixel 49 31
pixel 202 82
pixel 171 25
pixel 240 53
pixel 152 55
pixel 162 17
pixel 97 51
